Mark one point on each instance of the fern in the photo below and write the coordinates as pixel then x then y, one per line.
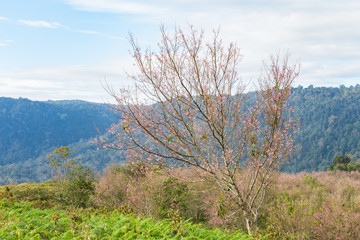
pixel 21 221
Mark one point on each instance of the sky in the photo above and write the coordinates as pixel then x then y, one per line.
pixel 67 49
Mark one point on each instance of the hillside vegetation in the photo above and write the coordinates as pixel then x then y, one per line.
pixel 30 130
pixel 22 221
pixel 330 126
pixel 159 204
pixel 33 211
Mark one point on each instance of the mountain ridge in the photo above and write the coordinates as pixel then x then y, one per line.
pixel 29 130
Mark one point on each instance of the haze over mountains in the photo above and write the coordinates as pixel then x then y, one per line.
pixel 30 130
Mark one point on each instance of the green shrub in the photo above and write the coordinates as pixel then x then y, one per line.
pixel 344 163
pixel 79 188
pixel 173 196
pixel 312 181
pixel 76 182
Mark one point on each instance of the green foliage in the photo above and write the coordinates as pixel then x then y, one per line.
pixel 343 163
pixel 312 181
pixel 173 196
pixel 21 221
pixel 79 188
pixel 77 183
pixel 222 206
pixel 62 162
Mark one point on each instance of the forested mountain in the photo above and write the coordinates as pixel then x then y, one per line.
pixel 30 130
pixel 27 128
pixel 330 126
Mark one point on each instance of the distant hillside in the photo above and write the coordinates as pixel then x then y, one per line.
pixel 27 128
pixel 330 126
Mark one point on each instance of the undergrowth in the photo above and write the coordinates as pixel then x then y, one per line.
pixel 22 221
pixel 323 205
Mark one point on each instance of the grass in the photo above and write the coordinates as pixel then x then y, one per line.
pixel 42 195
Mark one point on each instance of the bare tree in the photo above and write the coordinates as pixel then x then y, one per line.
pixel 188 106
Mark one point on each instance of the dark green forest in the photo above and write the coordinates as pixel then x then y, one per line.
pixel 330 126
pixel 30 130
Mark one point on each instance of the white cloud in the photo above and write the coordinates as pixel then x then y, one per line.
pixel 91 32
pixel 323 35
pixel 113 6
pixel 66 82
pixel 40 23
pixel 46 24
pixel 317 29
pixel 4 18
pixel 5 43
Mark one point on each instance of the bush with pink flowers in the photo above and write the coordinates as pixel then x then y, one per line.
pixel 322 205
